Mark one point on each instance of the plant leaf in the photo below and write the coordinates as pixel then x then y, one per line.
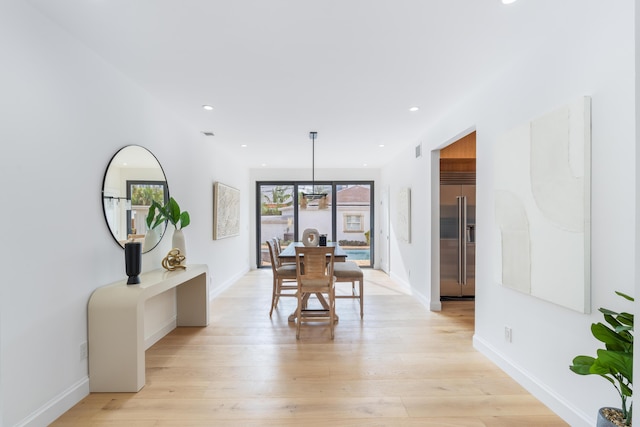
pixel 617 361
pixel 625 318
pixel 613 340
pixel 184 219
pixel 582 365
pixel 625 296
pixel 151 215
pixel 174 211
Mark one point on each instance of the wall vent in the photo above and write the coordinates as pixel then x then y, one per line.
pixel 208 133
pixel 419 150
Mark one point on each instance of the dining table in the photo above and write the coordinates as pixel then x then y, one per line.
pixel 288 255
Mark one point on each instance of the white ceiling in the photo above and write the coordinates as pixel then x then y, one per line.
pixel 276 69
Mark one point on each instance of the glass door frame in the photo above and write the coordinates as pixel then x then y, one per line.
pixel 334 206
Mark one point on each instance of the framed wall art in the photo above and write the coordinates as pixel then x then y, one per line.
pixel 226 211
pixel 404 215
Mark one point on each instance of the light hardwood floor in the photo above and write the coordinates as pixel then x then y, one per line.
pixel 400 366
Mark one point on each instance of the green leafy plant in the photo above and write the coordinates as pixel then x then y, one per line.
pixel 169 212
pixel 615 362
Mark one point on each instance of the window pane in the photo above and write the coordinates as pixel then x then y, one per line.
pixel 315 213
pixel 353 216
pixel 276 217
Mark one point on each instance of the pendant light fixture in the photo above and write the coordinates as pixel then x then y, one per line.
pixel 313 195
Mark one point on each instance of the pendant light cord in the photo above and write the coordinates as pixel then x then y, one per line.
pixel 313 162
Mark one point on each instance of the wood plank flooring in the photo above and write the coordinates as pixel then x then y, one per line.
pixel 400 366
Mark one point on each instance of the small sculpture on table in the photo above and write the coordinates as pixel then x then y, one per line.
pixel 174 260
pixel 310 237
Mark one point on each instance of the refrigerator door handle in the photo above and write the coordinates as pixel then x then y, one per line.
pixel 462 240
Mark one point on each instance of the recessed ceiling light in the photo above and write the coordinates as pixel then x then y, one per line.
pixel 264 165
pixel 364 164
pixel 244 146
pixel 381 145
pixel 508 1
pixel 412 109
pixel 207 107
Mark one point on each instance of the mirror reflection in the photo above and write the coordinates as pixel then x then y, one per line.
pixel 132 180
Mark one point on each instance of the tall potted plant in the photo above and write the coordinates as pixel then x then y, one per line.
pixel 614 363
pixel 179 219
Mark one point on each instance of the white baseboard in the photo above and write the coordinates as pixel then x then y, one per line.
pixel 169 326
pixel 223 286
pixel 533 385
pixel 57 406
pixel 404 285
pixel 428 303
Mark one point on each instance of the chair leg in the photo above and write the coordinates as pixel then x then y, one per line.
pixel 274 297
pixel 332 310
pixel 299 314
pixel 361 283
pixel 278 292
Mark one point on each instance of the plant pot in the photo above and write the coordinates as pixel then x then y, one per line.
pixel 178 241
pixel 151 239
pixel 604 421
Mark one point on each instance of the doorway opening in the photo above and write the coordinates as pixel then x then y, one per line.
pixel 457 219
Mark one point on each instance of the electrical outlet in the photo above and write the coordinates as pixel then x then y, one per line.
pixel 84 353
pixel 508 334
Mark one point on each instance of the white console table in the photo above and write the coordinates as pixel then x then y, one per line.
pixel 116 323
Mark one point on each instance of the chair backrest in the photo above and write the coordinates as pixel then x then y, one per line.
pixel 314 262
pixel 278 246
pixel 273 254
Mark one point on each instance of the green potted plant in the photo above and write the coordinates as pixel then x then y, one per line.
pixel 170 212
pixel 613 363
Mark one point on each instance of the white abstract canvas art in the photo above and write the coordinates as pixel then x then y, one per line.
pixel 542 206
pixel 404 215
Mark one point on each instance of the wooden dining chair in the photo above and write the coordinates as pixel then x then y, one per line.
pixel 349 271
pixel 278 250
pixel 315 276
pixel 284 277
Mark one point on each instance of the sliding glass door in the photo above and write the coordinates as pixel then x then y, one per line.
pixel 343 212
pixel 354 218
pixel 275 217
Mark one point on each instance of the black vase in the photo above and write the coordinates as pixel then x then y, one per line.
pixel 133 261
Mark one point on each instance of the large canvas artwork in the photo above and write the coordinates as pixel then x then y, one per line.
pixel 404 215
pixel 226 211
pixel 542 206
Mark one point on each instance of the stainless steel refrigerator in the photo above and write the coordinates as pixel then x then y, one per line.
pixel 457 236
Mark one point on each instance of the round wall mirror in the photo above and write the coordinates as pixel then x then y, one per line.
pixel 133 179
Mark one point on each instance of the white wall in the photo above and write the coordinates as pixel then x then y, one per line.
pixel 64 112
pixel 586 48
